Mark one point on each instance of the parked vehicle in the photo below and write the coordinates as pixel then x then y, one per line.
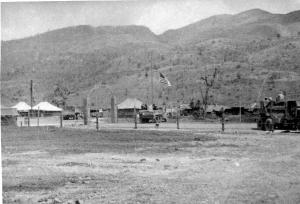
pixel 279 115
pixel 147 116
pixel 69 115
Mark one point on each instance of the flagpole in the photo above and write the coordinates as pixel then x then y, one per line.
pixel 164 97
pixel 183 86
pixel 151 78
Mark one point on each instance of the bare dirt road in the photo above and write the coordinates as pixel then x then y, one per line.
pixel 51 165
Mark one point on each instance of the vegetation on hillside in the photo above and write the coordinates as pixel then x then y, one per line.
pixel 246 48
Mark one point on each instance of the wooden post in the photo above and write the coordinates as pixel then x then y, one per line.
pixel 177 117
pixel 97 122
pixel 113 109
pixel 151 69
pixel 222 119
pixel 240 111
pixel 38 117
pixel 31 102
pixel 135 119
pixel 85 111
pixel 28 119
pixel 61 119
pixel 116 114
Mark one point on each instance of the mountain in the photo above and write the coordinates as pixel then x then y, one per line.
pixel 67 63
pixel 252 24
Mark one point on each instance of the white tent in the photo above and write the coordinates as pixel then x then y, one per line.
pixel 130 103
pixel 45 106
pixel 22 107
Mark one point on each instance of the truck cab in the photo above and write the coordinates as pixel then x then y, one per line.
pixel 279 115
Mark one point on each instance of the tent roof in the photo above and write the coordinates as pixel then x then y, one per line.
pixel 22 106
pixel 7 111
pixel 46 106
pixel 130 103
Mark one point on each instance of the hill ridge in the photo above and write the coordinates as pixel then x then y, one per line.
pixel 76 58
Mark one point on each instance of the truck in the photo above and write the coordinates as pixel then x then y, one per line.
pixel 147 116
pixel 69 115
pixel 284 115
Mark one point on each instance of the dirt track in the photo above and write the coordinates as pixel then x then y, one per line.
pixel 136 166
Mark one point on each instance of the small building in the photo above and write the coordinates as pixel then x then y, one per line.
pixel 8 116
pixel 126 108
pixel 46 109
pixel 22 108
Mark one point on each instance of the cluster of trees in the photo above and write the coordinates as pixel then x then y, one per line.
pixel 60 95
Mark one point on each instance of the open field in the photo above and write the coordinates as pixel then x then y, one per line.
pixel 52 165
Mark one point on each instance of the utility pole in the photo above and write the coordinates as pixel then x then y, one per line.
pixel 151 78
pixel 178 105
pixel 240 110
pixel 31 102
pixel 31 95
pixel 182 84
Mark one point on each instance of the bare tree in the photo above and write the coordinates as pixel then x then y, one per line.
pixel 208 82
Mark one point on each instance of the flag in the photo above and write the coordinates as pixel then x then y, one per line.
pixel 164 80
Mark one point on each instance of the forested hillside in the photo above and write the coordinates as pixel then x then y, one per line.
pixel 247 49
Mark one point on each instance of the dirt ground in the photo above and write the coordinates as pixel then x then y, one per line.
pixel 68 165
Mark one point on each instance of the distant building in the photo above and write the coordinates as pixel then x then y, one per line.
pixel 22 108
pixel 46 109
pixel 126 108
pixel 8 116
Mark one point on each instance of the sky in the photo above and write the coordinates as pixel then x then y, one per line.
pixel 23 19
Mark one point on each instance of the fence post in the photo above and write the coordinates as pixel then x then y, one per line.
pixel 97 122
pixel 61 119
pixel 135 119
pixel 177 117
pixel 222 120
pixel 113 110
pixel 28 121
pixel 38 117
pixel 85 108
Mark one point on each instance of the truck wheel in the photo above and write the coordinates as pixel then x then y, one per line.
pixel 269 125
